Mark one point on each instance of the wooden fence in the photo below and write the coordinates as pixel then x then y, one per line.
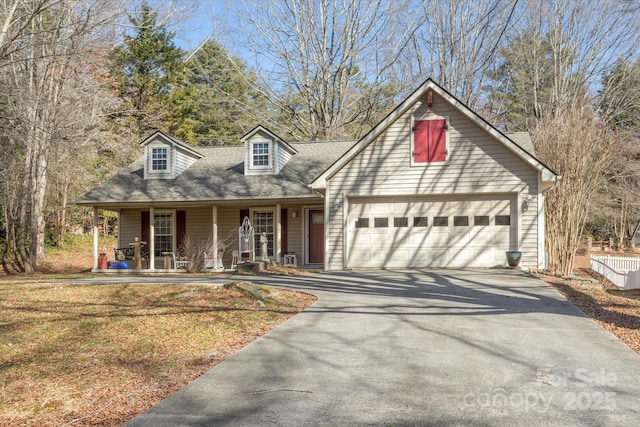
pixel 624 272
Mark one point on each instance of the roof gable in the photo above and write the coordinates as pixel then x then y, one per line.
pixel 265 152
pixel 171 141
pixel 166 157
pixel 261 129
pixel 548 175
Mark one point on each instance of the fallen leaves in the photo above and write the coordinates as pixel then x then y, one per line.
pixel 616 311
pixel 101 354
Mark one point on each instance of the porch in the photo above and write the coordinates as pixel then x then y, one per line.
pixel 175 237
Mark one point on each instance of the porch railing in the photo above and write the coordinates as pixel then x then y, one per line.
pixel 624 272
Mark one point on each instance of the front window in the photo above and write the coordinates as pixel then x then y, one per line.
pixel 263 223
pixel 163 224
pixel 260 154
pixel 159 159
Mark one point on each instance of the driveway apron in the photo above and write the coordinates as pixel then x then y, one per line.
pixel 428 347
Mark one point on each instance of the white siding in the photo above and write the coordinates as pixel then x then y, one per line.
pixel 282 157
pixel 183 161
pixel 477 163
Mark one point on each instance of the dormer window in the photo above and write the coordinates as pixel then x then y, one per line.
pixel 261 155
pixel 159 159
pixel 166 157
pixel 265 153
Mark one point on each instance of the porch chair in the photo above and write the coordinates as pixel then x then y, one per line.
pixel 180 263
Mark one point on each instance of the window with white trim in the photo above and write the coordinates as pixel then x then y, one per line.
pixel 159 159
pixel 261 154
pixel 163 232
pixel 263 222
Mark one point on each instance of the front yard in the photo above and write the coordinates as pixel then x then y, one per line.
pixel 100 354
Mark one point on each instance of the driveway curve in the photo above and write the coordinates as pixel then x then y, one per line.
pixel 418 348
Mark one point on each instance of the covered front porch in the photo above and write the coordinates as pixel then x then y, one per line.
pixel 173 238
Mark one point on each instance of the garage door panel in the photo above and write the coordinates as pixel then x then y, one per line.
pixel 483 256
pixel 420 239
pixel 380 241
pixel 457 238
pixel 361 239
pixel 439 239
pixel 408 243
pixel 500 238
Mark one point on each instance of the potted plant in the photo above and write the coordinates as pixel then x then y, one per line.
pixel 513 258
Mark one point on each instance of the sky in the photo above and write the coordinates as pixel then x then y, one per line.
pixel 202 19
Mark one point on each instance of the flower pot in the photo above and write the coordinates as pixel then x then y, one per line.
pixel 103 264
pixel 513 258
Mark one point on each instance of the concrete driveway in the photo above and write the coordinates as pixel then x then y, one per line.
pixel 432 347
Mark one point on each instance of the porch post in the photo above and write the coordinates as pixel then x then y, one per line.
pixel 214 228
pixel 277 249
pixel 95 238
pixel 345 232
pixel 152 238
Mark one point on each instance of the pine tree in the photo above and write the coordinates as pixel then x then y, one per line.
pixel 147 68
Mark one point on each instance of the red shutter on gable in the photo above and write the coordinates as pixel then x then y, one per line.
pixel 430 141
pixel 437 140
pixel 421 141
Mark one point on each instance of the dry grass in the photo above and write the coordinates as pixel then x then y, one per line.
pixel 100 354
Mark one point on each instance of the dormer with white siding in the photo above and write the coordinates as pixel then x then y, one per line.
pixel 265 152
pixel 166 157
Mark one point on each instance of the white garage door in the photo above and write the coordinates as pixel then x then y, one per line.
pixel 430 232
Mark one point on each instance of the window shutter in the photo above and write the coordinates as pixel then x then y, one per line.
pixel 144 227
pixel 181 227
pixel 420 141
pixel 429 141
pixel 437 140
pixel 284 218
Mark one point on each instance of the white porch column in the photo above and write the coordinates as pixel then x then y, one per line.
pixel 152 238
pixel 214 228
pixel 277 247
pixel 95 238
pixel 345 231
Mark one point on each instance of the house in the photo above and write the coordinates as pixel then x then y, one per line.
pixel 432 185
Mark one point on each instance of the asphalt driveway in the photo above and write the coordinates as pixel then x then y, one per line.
pixel 432 347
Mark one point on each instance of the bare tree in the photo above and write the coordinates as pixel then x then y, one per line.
pixel 45 44
pixel 455 42
pixel 325 63
pixel 578 147
pixel 555 55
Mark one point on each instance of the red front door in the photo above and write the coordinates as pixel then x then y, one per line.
pixel 316 236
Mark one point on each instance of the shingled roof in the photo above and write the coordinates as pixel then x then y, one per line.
pixel 219 176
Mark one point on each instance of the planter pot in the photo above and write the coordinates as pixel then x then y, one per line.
pixel 513 258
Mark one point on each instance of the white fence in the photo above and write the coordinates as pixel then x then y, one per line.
pixel 624 272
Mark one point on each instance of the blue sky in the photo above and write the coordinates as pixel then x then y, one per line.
pixel 205 18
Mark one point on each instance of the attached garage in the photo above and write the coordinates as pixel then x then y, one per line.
pixel 435 185
pixel 462 231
